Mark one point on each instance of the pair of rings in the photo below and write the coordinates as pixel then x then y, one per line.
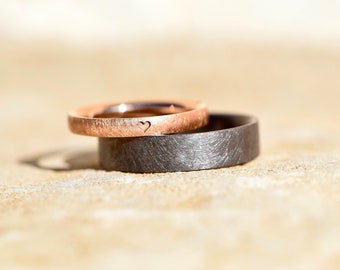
pixel 166 136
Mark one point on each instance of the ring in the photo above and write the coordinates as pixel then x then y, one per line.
pixel 136 119
pixel 227 140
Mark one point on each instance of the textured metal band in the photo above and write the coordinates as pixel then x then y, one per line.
pixel 139 118
pixel 227 140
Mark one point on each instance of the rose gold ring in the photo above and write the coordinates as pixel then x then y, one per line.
pixel 134 119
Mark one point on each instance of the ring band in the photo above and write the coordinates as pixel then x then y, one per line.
pixel 136 119
pixel 227 140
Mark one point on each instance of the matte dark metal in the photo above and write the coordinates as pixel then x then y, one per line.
pixel 227 140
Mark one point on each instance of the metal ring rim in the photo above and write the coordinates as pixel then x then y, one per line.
pixel 185 151
pixel 82 122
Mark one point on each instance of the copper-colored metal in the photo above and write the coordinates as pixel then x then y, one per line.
pixel 135 119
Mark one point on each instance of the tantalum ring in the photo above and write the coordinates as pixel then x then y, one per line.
pixel 138 119
pixel 228 140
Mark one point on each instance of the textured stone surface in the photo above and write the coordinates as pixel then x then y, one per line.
pixel 281 211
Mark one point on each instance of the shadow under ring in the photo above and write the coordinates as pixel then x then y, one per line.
pixel 228 140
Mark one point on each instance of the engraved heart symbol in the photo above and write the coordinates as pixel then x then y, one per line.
pixel 144 125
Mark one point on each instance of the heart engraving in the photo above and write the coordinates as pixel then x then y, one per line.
pixel 144 125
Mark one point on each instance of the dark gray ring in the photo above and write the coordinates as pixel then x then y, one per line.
pixel 227 140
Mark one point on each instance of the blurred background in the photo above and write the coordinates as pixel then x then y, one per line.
pixel 85 23
pixel 275 59
pixel 278 60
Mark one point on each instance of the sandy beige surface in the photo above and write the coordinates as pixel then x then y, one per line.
pixel 281 211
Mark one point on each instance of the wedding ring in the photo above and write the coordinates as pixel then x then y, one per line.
pixel 228 140
pixel 137 119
